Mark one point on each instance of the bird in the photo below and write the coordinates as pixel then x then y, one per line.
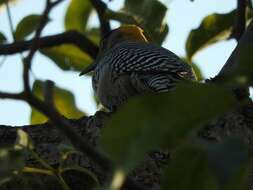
pixel 128 65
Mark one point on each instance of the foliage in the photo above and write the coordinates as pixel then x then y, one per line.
pixel 213 28
pixel 2 38
pixel 26 26
pixel 167 121
pixel 63 100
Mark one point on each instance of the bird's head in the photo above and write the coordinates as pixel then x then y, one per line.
pixel 131 33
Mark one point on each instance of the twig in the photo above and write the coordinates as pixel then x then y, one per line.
pixel 240 20
pixel 48 92
pixel 10 19
pixel 15 96
pixel 232 63
pixel 28 60
pixel 101 9
pixel 69 37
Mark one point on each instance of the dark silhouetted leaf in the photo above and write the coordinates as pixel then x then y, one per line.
pixel 213 28
pixel 64 102
pixel 146 122
pixel 240 74
pixel 26 26
pixel 228 161
pixel 189 170
pixel 11 160
pixel 77 15
pixel 149 14
pixel 2 38
pixel 67 57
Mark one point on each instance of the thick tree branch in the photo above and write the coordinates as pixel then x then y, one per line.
pixel 46 134
pixel 101 8
pixel 69 37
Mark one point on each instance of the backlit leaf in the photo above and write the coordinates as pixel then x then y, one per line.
pixel 68 57
pixel 63 99
pixel 26 26
pixel 213 28
pixel 148 14
pixel 77 15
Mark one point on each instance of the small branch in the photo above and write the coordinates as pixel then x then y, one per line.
pixel 10 19
pixel 240 20
pixel 28 60
pixel 101 9
pixel 15 96
pixel 232 63
pixel 69 37
pixel 48 92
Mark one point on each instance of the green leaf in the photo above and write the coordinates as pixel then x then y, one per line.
pixel 2 38
pixel 213 28
pixel 188 169
pixel 23 140
pixel 77 15
pixel 27 26
pixel 67 57
pixel 150 14
pixel 147 122
pixel 64 101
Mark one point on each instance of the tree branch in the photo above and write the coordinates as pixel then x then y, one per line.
pixel 240 20
pixel 232 63
pixel 69 37
pixel 101 8
pixel 15 96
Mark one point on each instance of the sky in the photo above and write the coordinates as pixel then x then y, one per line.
pixel 182 17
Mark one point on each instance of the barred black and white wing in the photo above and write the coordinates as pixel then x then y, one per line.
pixel 155 67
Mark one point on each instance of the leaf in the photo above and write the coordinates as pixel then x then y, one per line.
pixel 93 34
pixel 148 122
pixel 23 140
pixel 188 169
pixel 240 74
pixel 27 26
pixel 67 57
pixel 150 14
pixel 228 161
pixel 2 38
pixel 10 160
pixel 213 28
pixel 77 15
pixel 64 102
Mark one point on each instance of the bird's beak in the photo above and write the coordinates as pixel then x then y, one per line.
pixel 88 69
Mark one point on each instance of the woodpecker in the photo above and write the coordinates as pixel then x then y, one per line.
pixel 128 65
